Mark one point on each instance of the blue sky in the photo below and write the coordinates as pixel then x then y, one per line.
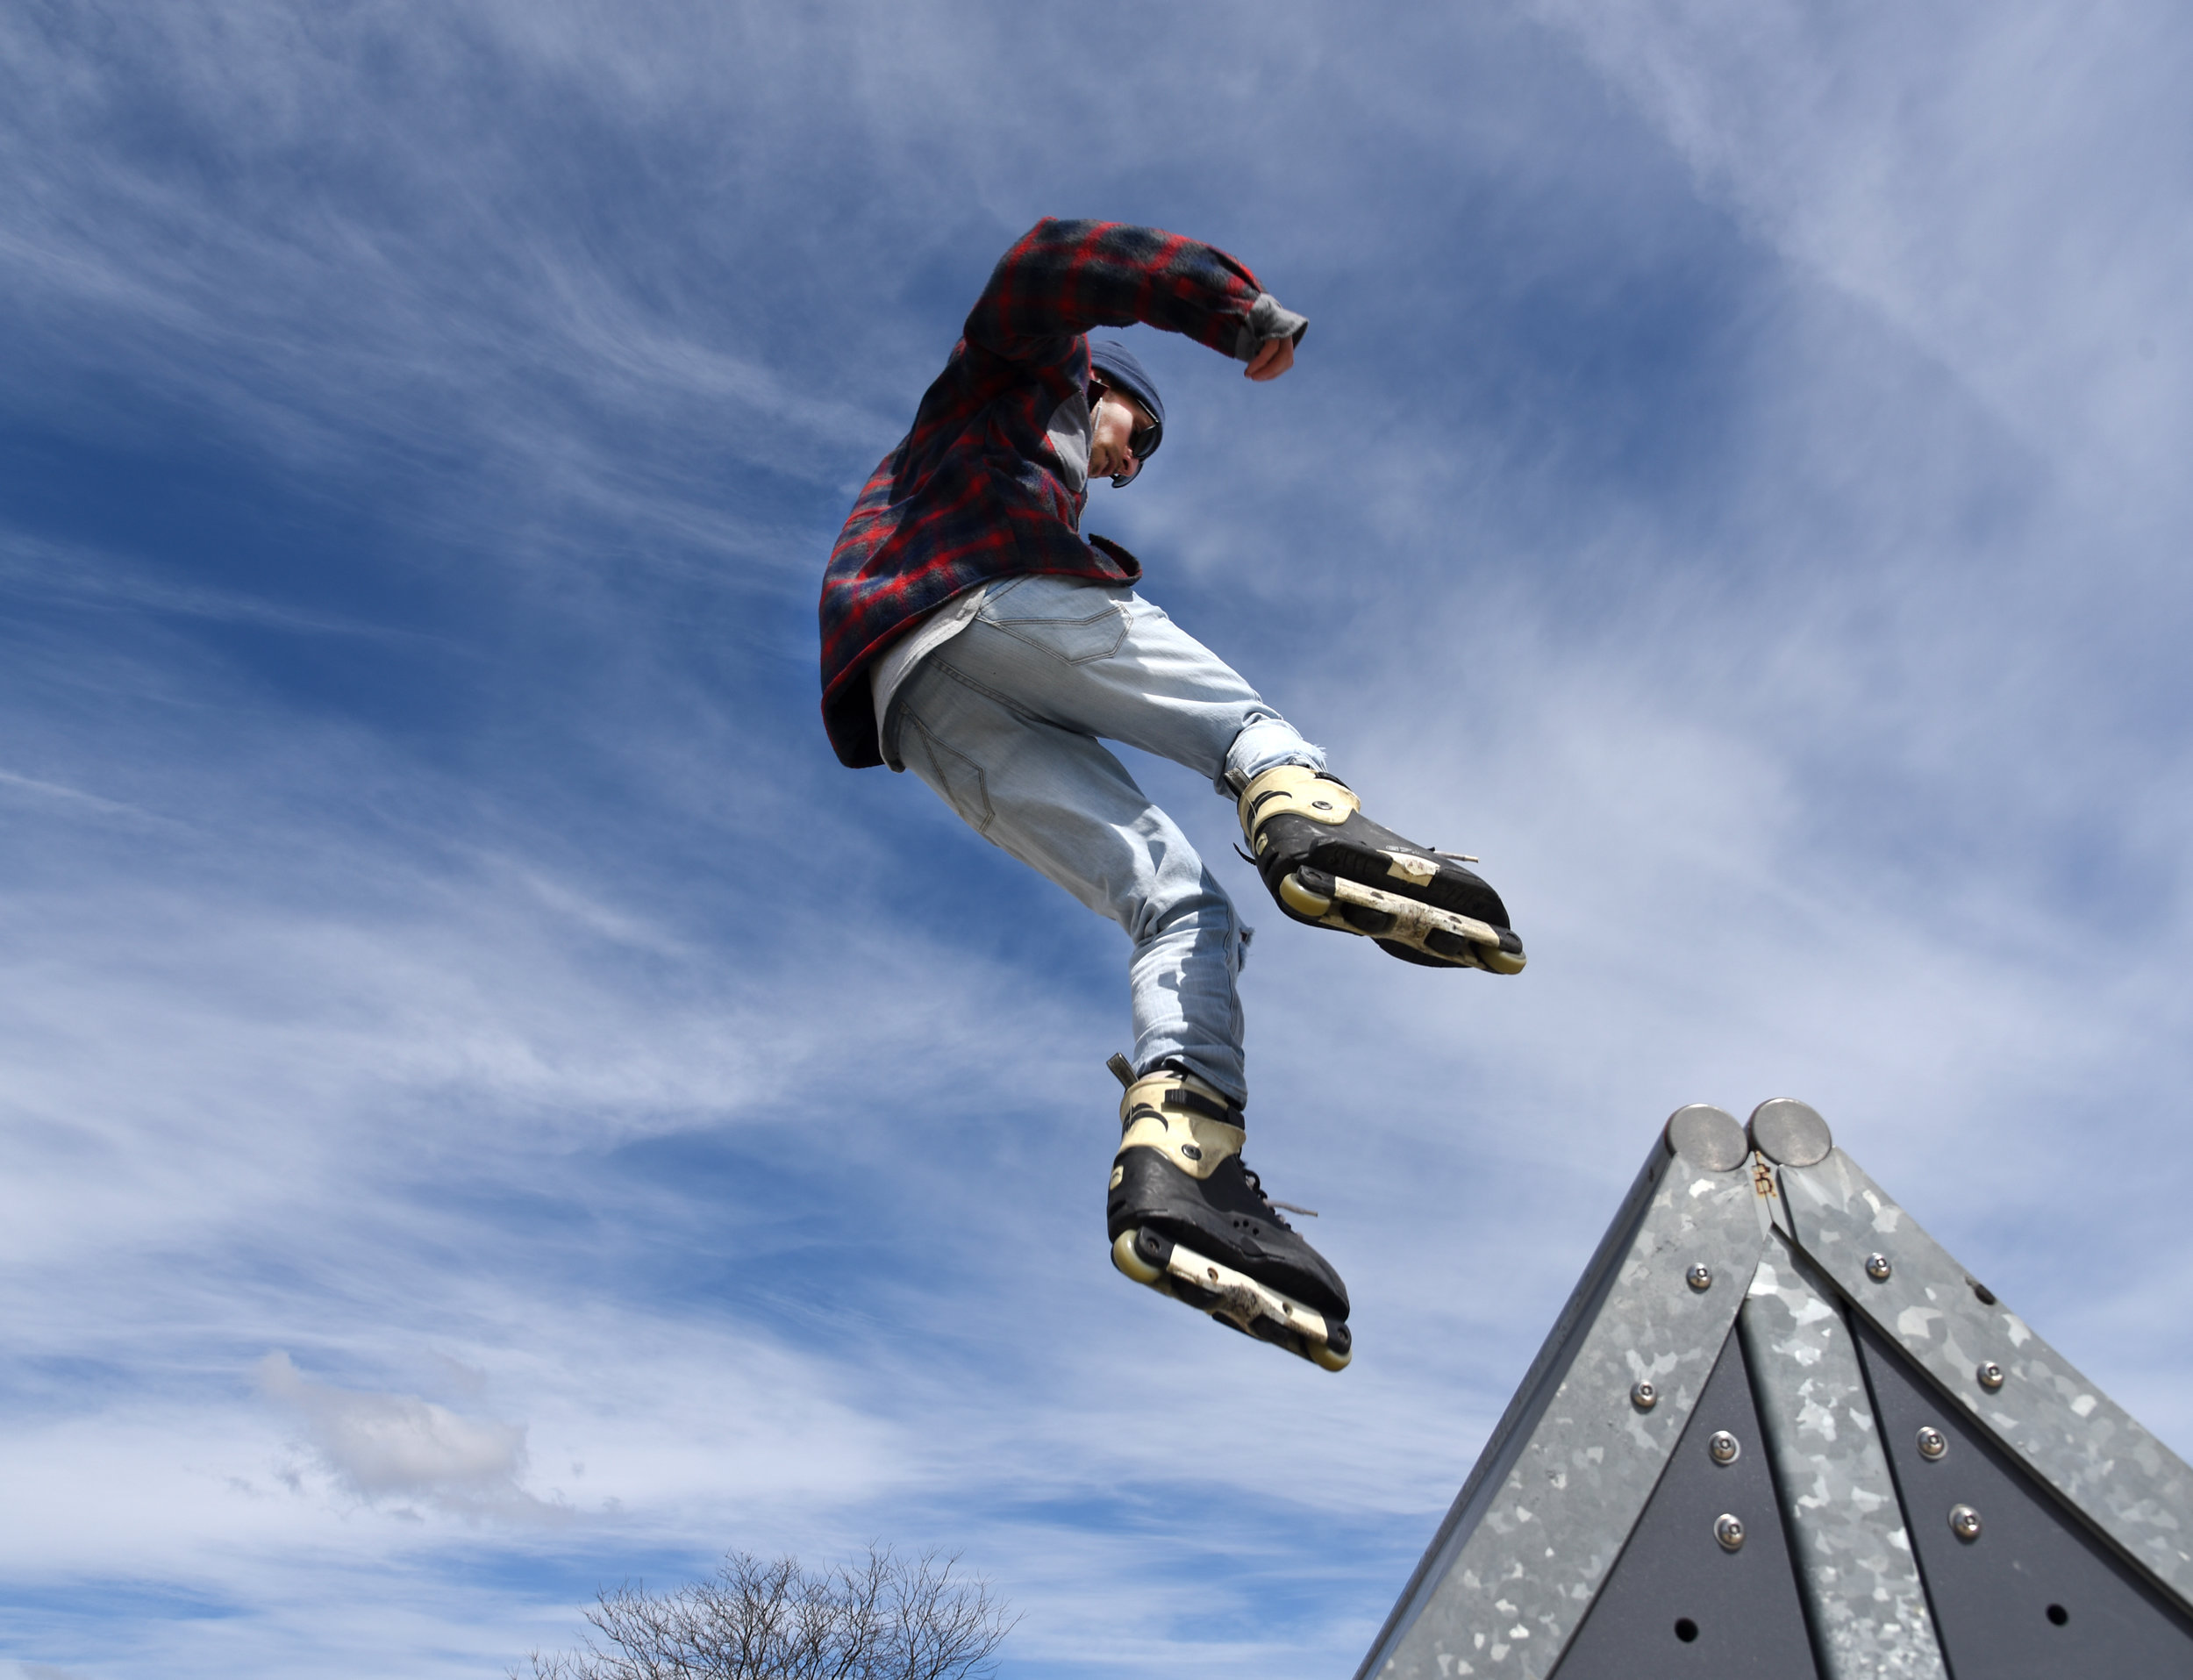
pixel 492 1109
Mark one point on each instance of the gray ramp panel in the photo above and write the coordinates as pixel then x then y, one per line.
pixel 1558 1489
pixel 2070 1433
pixel 1575 1543
pixel 1525 1407
pixel 1861 1590
pixel 2028 1593
pixel 1681 1603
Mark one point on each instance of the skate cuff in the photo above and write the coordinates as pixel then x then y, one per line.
pixel 1298 790
pixel 1266 321
pixel 1196 1145
pixel 1165 1110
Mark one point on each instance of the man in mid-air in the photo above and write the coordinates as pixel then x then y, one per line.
pixel 971 633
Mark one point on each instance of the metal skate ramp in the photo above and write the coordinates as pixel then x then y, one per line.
pixel 1778 1434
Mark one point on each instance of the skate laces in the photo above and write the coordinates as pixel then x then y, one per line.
pixel 1257 1189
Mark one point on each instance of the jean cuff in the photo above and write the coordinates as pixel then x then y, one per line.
pixel 1263 743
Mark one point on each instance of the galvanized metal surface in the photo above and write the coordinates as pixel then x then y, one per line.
pixel 2092 1451
pixel 1528 1403
pixel 1681 1604
pixel 1555 1530
pixel 1855 1565
pixel 1525 1407
pixel 1560 1486
pixel 2019 1588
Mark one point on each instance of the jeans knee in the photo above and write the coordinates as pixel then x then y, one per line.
pixel 1204 915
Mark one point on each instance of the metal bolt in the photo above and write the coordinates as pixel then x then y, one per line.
pixel 1700 1277
pixel 1722 1446
pixel 1964 1522
pixel 1730 1532
pixel 1931 1442
pixel 1644 1395
pixel 1878 1268
pixel 1990 1376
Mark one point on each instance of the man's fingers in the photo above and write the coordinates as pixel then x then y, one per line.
pixel 1273 358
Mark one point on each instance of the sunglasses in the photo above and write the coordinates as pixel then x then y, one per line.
pixel 1140 441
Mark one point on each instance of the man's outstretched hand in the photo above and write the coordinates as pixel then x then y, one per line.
pixel 1273 357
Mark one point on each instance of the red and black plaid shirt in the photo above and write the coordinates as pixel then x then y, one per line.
pixel 973 491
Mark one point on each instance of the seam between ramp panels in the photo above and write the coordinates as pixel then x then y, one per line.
pixel 1864 1600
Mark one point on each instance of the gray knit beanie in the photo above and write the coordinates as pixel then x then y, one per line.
pixel 1121 371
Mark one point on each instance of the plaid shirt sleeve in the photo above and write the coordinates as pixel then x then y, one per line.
pixel 1064 278
pixel 972 492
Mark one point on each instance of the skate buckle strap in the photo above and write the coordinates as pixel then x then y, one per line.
pixel 1294 790
pixel 1196 1102
pixel 1170 1087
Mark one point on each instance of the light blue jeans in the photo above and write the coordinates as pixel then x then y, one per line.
pixel 1002 721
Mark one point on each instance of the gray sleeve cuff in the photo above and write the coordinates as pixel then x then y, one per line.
pixel 1268 320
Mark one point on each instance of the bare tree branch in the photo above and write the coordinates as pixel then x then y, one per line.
pixel 882 1619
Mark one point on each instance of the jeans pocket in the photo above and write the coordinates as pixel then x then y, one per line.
pixel 957 778
pixel 1076 623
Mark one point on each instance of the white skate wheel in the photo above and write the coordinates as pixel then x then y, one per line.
pixel 1301 900
pixel 1123 1256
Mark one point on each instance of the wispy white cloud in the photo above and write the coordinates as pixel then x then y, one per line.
pixel 384 1448
pixel 1975 185
pixel 71 799
pixel 1736 507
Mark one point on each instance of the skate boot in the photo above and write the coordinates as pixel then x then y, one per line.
pixel 1329 865
pixel 1186 1218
